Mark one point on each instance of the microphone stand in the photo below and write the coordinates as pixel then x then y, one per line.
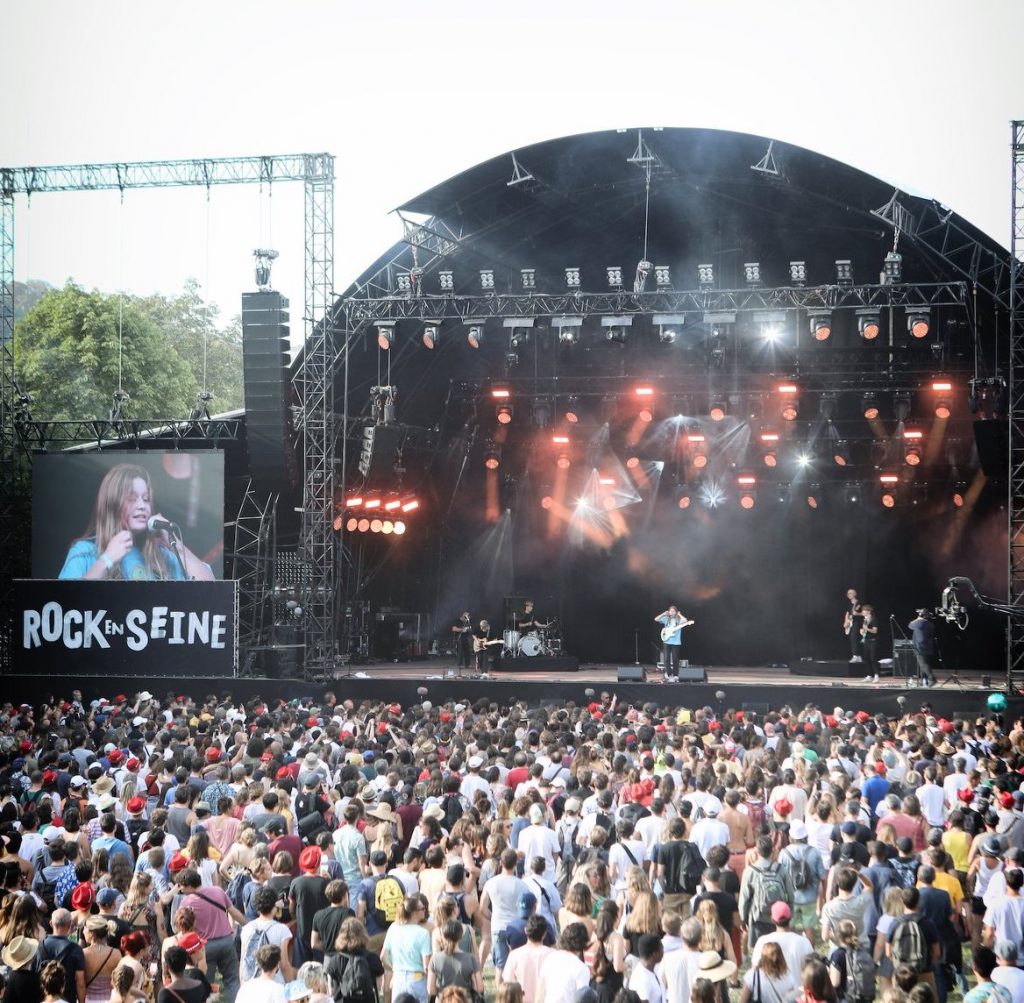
pixel 636 646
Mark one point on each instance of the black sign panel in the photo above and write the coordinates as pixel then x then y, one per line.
pixel 89 628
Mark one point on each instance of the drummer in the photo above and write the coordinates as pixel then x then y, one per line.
pixel 527 621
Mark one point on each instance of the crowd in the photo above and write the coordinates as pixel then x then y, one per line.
pixel 174 851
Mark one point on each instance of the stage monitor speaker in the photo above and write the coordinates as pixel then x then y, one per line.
pixel 268 436
pixel 381 451
pixel 990 438
pixel 631 674
pixel 692 674
pixel 760 709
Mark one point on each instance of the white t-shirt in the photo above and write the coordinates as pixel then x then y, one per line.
pixel 277 933
pixel 1011 978
pixel 679 970
pixel 932 799
pixel 773 990
pixel 796 948
pixel 562 976
pixel 649 830
pixel 619 861
pixel 261 991
pixel 646 985
pixel 539 841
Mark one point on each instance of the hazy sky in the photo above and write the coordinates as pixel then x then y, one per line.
pixel 919 92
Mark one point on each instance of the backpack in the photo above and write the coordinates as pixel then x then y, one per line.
pixel 800 869
pixel 860 975
pixel 388 895
pixel 250 966
pixel 48 893
pixel 136 827
pixel 908 946
pixel 356 984
pixel 768 889
pixel 452 805
pixel 691 868
pixel 236 887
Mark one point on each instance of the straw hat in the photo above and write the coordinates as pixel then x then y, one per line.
pixel 103 786
pixel 20 951
pixel 713 968
pixel 383 812
pixel 434 811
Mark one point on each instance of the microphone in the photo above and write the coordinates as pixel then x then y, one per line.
pixel 158 525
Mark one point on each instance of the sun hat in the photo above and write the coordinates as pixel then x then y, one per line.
pixel 103 786
pixel 83 897
pixel 20 951
pixel 309 860
pixel 712 967
pixel 382 812
pixel 297 990
pixel 434 811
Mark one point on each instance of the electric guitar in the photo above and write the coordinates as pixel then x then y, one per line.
pixel 848 619
pixel 479 645
pixel 668 630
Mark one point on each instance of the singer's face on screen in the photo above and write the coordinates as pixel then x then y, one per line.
pixel 136 507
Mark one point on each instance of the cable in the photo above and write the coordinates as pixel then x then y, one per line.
pixel 120 296
pixel 206 291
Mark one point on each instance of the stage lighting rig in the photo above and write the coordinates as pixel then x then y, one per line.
pixel 614 276
pixel 568 329
pixel 943 401
pixel 265 258
pixel 901 405
pixel 820 322
pixel 572 278
pixel 814 496
pixel 752 274
pixel 718 408
pixel 770 447
pixel 789 393
pixel 919 324
pixel 844 272
pixel 841 453
pixel 889 487
pixel 572 409
pixel 529 278
pixel 431 333
pixel 643 269
pixel 869 406
pixel 747 484
pixel 798 273
pixel 771 324
pixel 869 324
pixel 662 276
pixel 892 269
pixel 446 280
pixel 827 406
pixel 669 325
pixel 492 457
pixel 706 276
pixel 385 335
pixel 543 409
pixel 912 441
pixel 616 329
pixel 487 279
pixel 475 335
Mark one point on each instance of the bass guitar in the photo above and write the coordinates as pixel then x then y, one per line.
pixel 668 630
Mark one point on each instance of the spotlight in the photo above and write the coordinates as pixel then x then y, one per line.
pixel 363 526
pixel 821 325
pixel 841 453
pixel 889 483
pixel 959 490
pixel 814 496
pixel 519 338
pixel 918 324
pixel 492 457
pixel 684 498
pixel 563 461
pixel 827 406
pixel 560 440
pixel 771 324
pixel 798 273
pixel 486 278
pixel 351 525
pixel 504 414
pixel 717 409
pixel 411 505
pixel 667 335
pixel 614 276
pixel 392 504
pixel 572 408
pixel 844 272
pixel 869 324
pixel 546 501
pixel 901 405
pixel 748 495
pixel 529 278
pixel 616 329
pixel 662 275
pixel 431 333
pixel 404 281
pixel 338 523
pixel 372 503
pixel 752 273
pixel 770 443
pixel 475 335
pixel 789 393
pixel 632 462
pixel 568 329
pixel 869 406
pixel 706 276
pixel 388 527
pixel 892 268
pixel 376 525
pixel 944 402
pixel 572 278
pixel 399 527
pixel 385 335
pixel 698 447
pixel 888 497
pixel 912 439
pixel 446 280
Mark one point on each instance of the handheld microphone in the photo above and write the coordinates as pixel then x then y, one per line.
pixel 158 525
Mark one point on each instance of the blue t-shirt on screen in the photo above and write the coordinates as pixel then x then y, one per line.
pixel 82 556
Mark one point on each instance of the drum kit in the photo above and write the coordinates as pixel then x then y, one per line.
pixel 545 641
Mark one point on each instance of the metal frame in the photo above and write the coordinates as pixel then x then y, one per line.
pixel 251 565
pixel 41 436
pixel 314 416
pixel 1015 478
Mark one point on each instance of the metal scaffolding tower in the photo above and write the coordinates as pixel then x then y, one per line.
pixel 314 418
pixel 1015 480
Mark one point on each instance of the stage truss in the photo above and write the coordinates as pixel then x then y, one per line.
pixel 1015 479
pixel 315 412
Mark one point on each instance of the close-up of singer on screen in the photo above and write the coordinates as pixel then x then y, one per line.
pixel 126 539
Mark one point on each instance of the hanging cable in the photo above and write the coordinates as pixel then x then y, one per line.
pixel 206 295
pixel 647 206
pixel 120 299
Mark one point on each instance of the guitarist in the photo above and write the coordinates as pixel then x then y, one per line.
pixel 672 622
pixel 482 640
pixel 463 631
pixel 853 621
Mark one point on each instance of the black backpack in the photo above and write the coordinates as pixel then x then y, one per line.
pixel 356 984
pixel 691 868
pixel 452 805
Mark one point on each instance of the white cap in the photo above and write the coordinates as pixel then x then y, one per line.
pixel 139 720
pixel 797 830
pixel 475 762
pixel 536 813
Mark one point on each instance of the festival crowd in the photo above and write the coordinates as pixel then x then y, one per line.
pixel 175 851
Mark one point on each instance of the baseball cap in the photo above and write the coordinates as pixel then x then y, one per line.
pixel 573 805
pixel 475 762
pixel 848 828
pixel 797 830
pixel 711 809
pixel 527 903
pixel 781 912
pixel 107 896
pixel 991 847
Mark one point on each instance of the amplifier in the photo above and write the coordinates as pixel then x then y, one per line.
pixel 903 644
pixel 631 674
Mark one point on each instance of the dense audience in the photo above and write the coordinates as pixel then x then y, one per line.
pixel 174 851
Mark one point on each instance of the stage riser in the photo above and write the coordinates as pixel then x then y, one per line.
pixel 540 663
pixel 944 702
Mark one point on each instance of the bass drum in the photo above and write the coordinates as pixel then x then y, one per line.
pixel 510 639
pixel 530 646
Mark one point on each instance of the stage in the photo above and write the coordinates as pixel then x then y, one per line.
pixel 759 688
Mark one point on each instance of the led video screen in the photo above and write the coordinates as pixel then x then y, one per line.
pixel 142 516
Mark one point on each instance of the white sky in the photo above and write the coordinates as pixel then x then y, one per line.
pixel 919 92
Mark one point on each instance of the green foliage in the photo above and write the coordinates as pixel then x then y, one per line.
pixel 66 354
pixel 27 295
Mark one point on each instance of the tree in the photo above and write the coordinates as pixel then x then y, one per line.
pixel 66 356
pixel 185 321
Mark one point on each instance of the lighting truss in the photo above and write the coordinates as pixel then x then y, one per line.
pixel 1015 392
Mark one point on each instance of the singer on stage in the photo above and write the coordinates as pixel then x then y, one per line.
pixel 119 543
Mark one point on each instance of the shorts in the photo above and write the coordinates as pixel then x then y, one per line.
pixel 977 905
pixel 805 916
pixel 499 950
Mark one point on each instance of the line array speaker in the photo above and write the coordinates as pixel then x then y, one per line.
pixel 268 437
